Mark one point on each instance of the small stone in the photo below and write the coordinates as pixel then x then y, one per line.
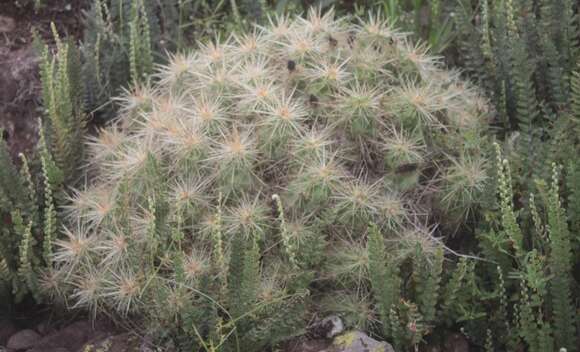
pixel 23 339
pixel 357 341
pixel 71 337
pixel 328 327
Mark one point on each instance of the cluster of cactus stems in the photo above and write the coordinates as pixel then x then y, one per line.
pixel 217 190
pixel 255 155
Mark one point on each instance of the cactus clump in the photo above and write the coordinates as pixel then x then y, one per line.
pixel 261 153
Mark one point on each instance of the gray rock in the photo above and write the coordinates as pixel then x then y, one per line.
pixel 357 341
pixel 49 349
pixel 328 327
pixel 335 324
pixel 23 339
pixel 71 337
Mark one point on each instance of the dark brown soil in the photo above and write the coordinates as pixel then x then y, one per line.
pixel 20 102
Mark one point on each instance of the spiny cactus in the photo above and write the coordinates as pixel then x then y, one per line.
pixel 265 149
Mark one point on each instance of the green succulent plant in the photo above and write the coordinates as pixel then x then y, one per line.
pixel 224 183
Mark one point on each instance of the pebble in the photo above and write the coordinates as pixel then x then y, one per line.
pixel 23 339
